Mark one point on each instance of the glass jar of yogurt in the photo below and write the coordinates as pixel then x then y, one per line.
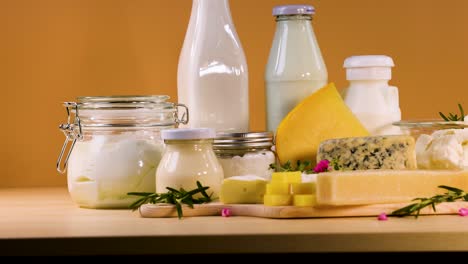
pixel 188 158
pixel 245 153
pixel 113 146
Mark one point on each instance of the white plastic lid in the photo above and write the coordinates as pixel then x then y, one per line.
pixel 368 67
pixel 188 133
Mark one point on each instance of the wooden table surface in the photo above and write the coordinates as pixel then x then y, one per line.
pixel 44 221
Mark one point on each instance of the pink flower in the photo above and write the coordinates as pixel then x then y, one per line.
pixel 322 166
pixel 463 212
pixel 225 212
pixel 382 217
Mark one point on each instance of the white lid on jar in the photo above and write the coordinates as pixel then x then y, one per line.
pixel 188 133
pixel 368 67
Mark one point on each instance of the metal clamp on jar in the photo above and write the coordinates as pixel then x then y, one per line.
pixel 114 146
pixel 245 153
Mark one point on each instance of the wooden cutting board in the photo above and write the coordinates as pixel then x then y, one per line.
pixel 259 210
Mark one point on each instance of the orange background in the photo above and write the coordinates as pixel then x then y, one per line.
pixel 54 50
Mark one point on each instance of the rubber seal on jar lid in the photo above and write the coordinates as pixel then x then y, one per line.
pixel 188 133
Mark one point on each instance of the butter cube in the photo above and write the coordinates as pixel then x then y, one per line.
pixel 243 190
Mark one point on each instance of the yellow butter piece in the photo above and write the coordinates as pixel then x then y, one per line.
pixel 243 190
pixel 277 199
pixel 288 177
pixel 304 200
pixel 278 188
pixel 303 188
pixel 384 186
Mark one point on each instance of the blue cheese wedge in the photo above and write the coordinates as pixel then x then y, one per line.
pixel 363 153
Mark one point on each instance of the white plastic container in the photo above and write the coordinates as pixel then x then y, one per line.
pixel 295 67
pixel 212 75
pixel 369 96
pixel 188 158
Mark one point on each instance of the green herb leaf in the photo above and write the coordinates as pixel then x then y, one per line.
pixel 302 166
pixel 173 196
pixel 452 195
pixel 454 117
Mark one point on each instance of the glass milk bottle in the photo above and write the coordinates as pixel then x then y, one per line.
pixel 295 67
pixel 212 72
pixel 369 96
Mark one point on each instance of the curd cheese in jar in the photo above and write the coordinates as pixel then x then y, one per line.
pixel 188 158
pixel 115 147
pixel 245 153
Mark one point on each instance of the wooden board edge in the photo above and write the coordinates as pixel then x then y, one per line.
pixel 291 212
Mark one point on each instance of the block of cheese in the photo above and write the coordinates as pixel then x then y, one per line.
pixel 323 115
pixel 247 189
pixel 288 177
pixel 278 188
pixel 362 153
pixel 384 186
pixel 277 199
pixel 304 200
pixel 303 188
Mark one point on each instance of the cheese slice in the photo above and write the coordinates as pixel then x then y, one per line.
pixel 278 188
pixel 384 186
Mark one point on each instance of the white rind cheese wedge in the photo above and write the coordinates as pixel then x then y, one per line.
pixel 384 186
pixel 395 152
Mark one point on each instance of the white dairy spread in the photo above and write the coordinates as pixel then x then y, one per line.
pixel 444 149
pixel 257 163
pixel 103 170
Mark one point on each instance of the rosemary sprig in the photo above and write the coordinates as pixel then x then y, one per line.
pixel 173 196
pixel 302 166
pixel 452 195
pixel 454 117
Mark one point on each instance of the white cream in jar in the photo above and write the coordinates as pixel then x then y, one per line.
pixel 188 158
pixel 115 147
pixel 103 170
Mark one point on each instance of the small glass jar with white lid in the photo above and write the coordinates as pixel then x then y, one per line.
pixel 245 153
pixel 188 158
pixel 113 146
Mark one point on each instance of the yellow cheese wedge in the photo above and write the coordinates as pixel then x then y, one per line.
pixel 243 190
pixel 323 115
pixel 277 200
pixel 288 177
pixel 384 186
pixel 278 188
pixel 303 188
pixel 304 200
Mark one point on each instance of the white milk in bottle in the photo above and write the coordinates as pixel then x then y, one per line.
pixel 212 75
pixel 295 67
